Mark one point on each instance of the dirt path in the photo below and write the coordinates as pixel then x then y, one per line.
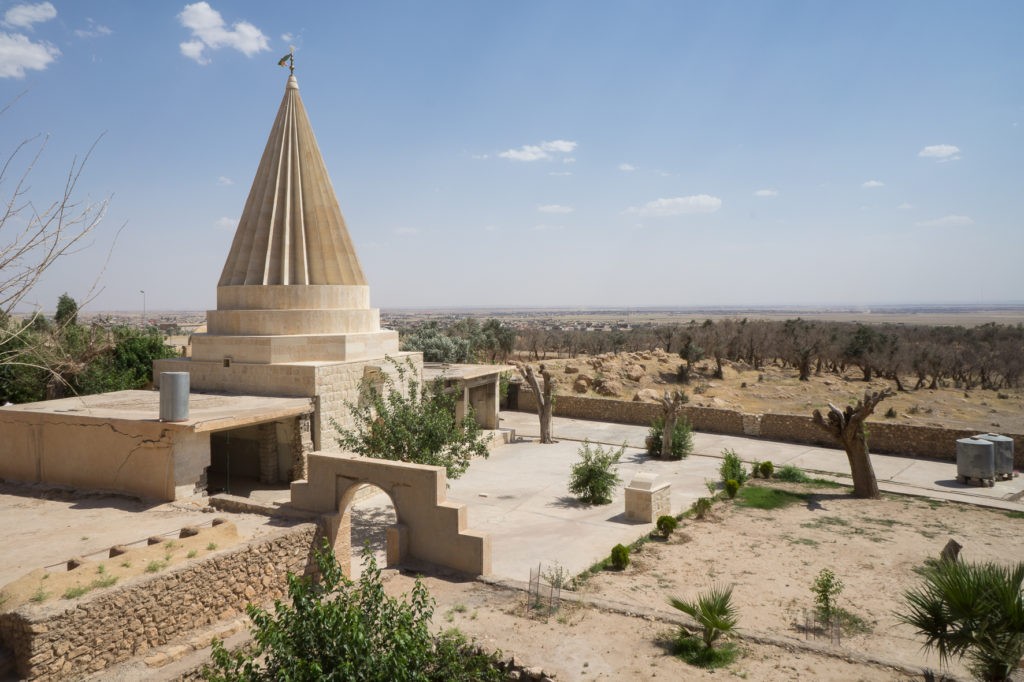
pixel 771 557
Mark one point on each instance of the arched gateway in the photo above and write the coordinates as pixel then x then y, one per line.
pixel 429 528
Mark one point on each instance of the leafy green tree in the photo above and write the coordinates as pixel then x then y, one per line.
pixel 436 345
pixel 498 339
pixel 593 478
pixel 400 421
pixel 335 629
pixel 972 611
pixel 128 364
pixel 67 310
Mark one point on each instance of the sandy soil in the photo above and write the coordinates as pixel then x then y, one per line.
pixel 771 557
pixel 777 390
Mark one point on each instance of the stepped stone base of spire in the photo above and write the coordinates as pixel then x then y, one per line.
pixel 261 349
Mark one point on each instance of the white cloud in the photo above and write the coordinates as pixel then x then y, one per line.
pixel 287 37
pixel 23 16
pixel 766 193
pixel 871 184
pixel 560 174
pixel 407 231
pixel 225 181
pixel 481 157
pixel 555 208
pixel 209 31
pixel 92 30
pixel 537 152
pixel 905 206
pixel 947 221
pixel 940 152
pixel 18 53
pixel 699 203
pixel 226 223
pixel 627 167
pixel 569 159
pixel 547 228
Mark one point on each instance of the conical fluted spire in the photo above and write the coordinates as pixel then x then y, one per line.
pixel 292 230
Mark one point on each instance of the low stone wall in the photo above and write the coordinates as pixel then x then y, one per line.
pixel 68 641
pixel 884 437
pixel 898 439
pixel 634 412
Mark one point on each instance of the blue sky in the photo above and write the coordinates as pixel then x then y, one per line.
pixel 543 153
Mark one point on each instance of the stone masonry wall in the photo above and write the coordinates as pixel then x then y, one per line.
pixel 58 641
pixel 339 383
pixel 900 439
pixel 641 413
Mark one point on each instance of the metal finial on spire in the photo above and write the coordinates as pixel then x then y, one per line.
pixel 290 58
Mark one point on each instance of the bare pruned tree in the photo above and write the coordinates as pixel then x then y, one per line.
pixel 33 237
pixel 545 399
pixel 671 405
pixel 847 426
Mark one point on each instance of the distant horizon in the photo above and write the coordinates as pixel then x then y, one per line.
pixel 824 307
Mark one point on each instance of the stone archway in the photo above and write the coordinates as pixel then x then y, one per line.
pixel 373 521
pixel 429 528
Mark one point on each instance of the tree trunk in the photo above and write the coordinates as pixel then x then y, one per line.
pixel 545 403
pixel 847 427
pixel 865 485
pixel 671 405
pixel 805 367
pixel 666 435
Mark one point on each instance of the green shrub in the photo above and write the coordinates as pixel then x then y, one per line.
pixel 702 507
pixel 716 615
pixel 755 469
pixel 667 524
pixel 682 437
pixel 973 612
pixel 826 589
pixel 792 474
pixel 593 479
pixel 620 557
pixel 732 487
pixel 334 628
pixel 732 467
pixel 766 469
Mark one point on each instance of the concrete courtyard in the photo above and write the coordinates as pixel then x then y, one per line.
pixel 519 493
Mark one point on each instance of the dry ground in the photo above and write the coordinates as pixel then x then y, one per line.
pixel 771 557
pixel 776 390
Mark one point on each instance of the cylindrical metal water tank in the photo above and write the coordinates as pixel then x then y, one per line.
pixel 174 389
pixel 975 459
pixel 1004 453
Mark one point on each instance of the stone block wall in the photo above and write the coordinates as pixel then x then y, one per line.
pixel 709 419
pixel 899 439
pixel 337 384
pixel 70 640
pixel 883 437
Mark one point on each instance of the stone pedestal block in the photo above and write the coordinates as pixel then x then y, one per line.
pixel 647 499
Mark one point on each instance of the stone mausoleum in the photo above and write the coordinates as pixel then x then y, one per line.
pixel 293 321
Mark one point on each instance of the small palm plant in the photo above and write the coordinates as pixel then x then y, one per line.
pixel 972 611
pixel 715 614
